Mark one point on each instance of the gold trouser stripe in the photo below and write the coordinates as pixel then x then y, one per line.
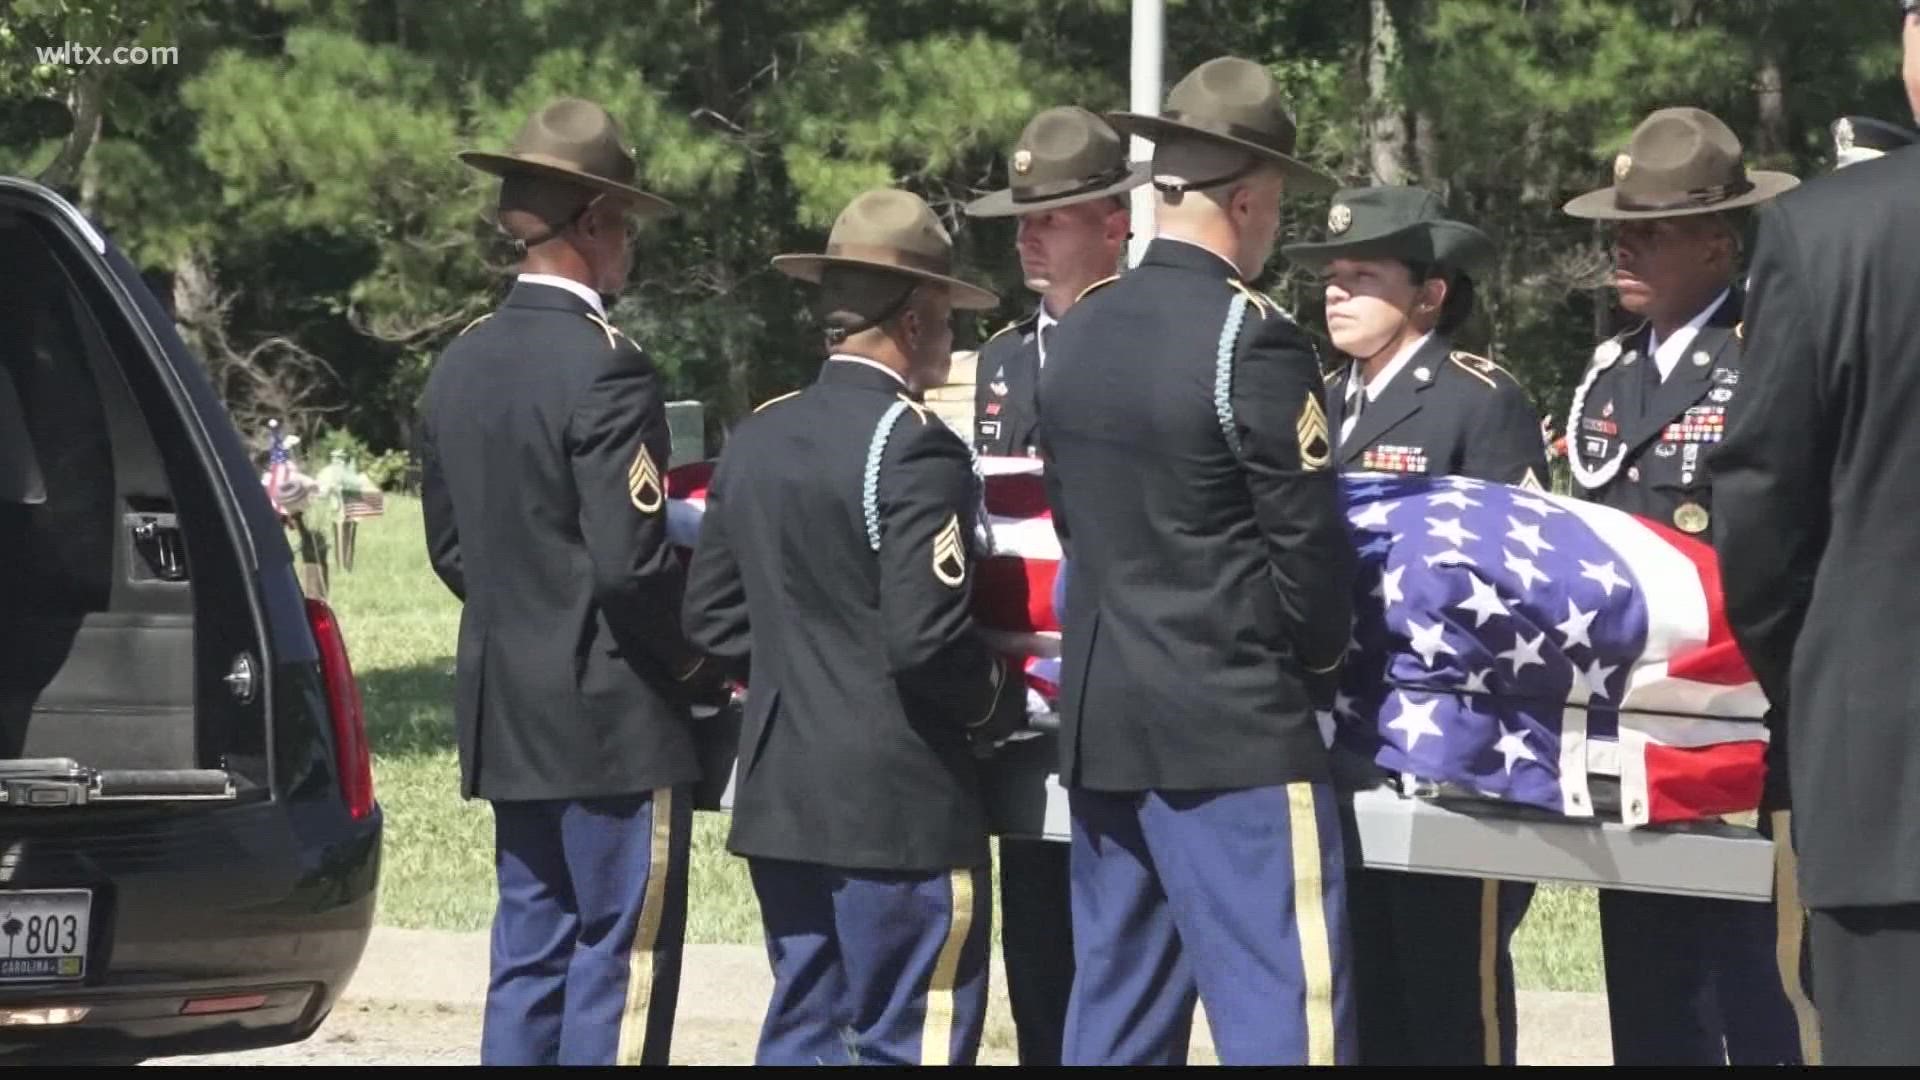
pixel 1489 969
pixel 1310 922
pixel 1787 942
pixel 633 1019
pixel 936 1041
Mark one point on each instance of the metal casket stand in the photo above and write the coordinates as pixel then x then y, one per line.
pixel 1463 838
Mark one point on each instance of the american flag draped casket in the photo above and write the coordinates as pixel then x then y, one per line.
pixel 1508 645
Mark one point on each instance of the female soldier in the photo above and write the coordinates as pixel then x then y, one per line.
pixel 1426 946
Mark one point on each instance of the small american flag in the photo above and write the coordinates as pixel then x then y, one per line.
pixel 359 504
pixel 279 467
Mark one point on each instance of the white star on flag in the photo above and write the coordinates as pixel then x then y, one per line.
pixel 1581 692
pixel 1389 587
pixel 1374 516
pixel 1525 653
pixel 1430 641
pixel 1415 720
pixel 1604 574
pixel 1528 535
pixel 1538 506
pixel 1450 530
pixel 1477 682
pixel 1513 746
pixel 1484 603
pixel 1574 630
pixel 1526 570
pixel 1454 498
pixel 1597 675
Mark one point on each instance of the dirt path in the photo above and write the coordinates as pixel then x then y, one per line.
pixel 417 998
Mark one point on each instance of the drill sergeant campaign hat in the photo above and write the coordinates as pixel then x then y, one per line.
pixel 1066 155
pixel 1235 103
pixel 1680 161
pixel 566 155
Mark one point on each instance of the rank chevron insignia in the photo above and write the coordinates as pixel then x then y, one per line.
pixel 1315 448
pixel 950 555
pixel 643 483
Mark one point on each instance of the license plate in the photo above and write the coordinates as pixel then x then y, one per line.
pixel 43 934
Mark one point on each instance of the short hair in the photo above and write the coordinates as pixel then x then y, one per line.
pixel 1201 166
pixel 532 209
pixel 855 299
pixel 1457 308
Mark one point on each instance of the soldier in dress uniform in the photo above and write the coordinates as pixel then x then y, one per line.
pixel 1191 480
pixel 1690 981
pixel 1433 967
pixel 1068 185
pixel 544 444
pixel 836 557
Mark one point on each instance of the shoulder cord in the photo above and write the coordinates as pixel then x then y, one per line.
pixel 1589 477
pixel 870 480
pixel 870 485
pixel 1223 370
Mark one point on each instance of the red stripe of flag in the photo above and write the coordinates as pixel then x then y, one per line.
pixel 1719 662
pixel 1686 783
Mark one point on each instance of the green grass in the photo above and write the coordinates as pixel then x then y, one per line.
pixel 401 625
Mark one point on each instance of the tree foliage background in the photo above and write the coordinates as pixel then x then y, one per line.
pixel 290 184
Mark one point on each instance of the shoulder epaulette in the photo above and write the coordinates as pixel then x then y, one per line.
pixel 777 400
pixel 1261 302
pixel 613 332
pixel 919 410
pixel 1088 291
pixel 475 323
pixel 1478 366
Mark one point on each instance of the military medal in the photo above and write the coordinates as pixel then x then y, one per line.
pixel 1691 517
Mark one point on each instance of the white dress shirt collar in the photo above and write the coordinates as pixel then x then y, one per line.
pixel 1378 384
pixel 875 364
pixel 1667 353
pixel 571 286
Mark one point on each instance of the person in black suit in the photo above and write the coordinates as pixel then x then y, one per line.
pixel 1190 477
pixel 544 445
pixel 1690 980
pixel 1068 188
pixel 1816 538
pixel 836 560
pixel 1397 288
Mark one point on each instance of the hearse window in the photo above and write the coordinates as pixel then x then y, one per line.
pixel 56 555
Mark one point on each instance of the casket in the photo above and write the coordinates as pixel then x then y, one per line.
pixel 1509 647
